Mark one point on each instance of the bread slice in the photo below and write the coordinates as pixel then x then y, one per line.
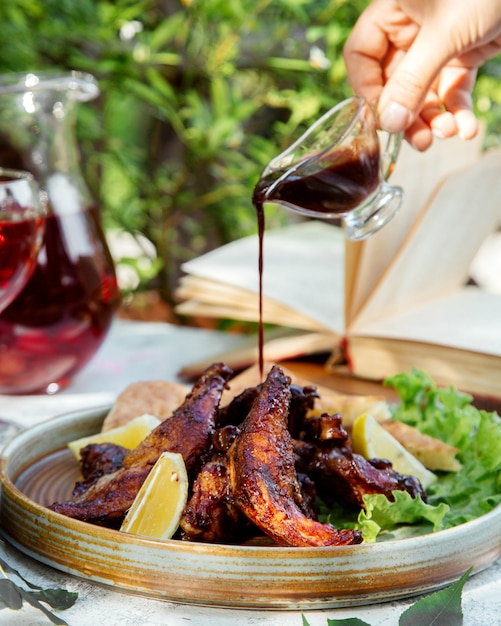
pixel 433 453
pixel 158 397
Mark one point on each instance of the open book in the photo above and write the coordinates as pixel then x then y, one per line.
pixel 396 300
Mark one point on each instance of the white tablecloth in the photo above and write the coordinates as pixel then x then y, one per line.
pixel 150 351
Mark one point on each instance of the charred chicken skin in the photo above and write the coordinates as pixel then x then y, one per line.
pixel 188 432
pixel 209 514
pixel 255 466
pixel 263 480
pixel 96 460
pixel 325 455
pixel 338 472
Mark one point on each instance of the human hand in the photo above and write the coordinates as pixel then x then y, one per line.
pixel 419 60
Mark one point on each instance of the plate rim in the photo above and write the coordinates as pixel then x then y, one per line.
pixel 323 557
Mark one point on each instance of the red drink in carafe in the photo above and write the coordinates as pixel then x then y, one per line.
pixel 19 241
pixel 61 317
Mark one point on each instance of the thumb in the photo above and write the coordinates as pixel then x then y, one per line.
pixel 405 91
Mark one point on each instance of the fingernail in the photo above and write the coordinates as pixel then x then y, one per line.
pixel 395 118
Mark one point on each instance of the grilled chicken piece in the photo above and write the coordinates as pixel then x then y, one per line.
pixel 107 500
pixel 97 459
pixel 302 401
pixel 338 472
pixel 325 430
pixel 233 413
pixel 263 479
pixel 187 432
pixel 191 426
pixel 209 515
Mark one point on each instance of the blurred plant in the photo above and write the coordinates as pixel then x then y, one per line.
pixel 487 101
pixel 196 97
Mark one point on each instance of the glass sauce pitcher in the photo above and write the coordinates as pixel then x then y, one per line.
pixel 62 316
pixel 337 169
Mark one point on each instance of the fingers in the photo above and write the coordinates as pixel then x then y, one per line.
pixel 448 111
pixel 441 122
pixel 432 122
pixel 363 54
pixel 405 92
pixel 419 135
pixel 443 118
pixel 455 89
pixel 422 78
pixel 388 58
pixel 467 124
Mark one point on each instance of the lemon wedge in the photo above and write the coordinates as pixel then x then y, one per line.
pixel 159 503
pixel 372 441
pixel 129 435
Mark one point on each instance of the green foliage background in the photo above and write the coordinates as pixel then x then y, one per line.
pixel 196 97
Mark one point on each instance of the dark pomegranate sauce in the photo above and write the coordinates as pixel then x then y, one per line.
pixel 340 184
pixel 343 185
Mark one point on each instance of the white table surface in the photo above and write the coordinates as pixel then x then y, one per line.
pixel 151 351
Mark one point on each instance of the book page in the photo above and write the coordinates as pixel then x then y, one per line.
pixel 278 345
pixel 303 270
pixel 468 319
pixel 376 358
pixel 436 256
pixel 418 174
pixel 204 297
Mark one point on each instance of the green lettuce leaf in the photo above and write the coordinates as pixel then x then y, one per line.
pixel 449 415
pixel 456 497
pixel 404 510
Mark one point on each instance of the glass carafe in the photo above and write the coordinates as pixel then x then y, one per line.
pixel 62 316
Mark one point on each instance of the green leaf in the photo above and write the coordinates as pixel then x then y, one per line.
pixel 441 607
pixel 166 30
pixel 403 510
pixel 31 598
pixel 449 415
pixel 10 596
pixel 350 621
pixel 58 599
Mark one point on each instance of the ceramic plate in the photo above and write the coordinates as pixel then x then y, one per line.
pixel 37 469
